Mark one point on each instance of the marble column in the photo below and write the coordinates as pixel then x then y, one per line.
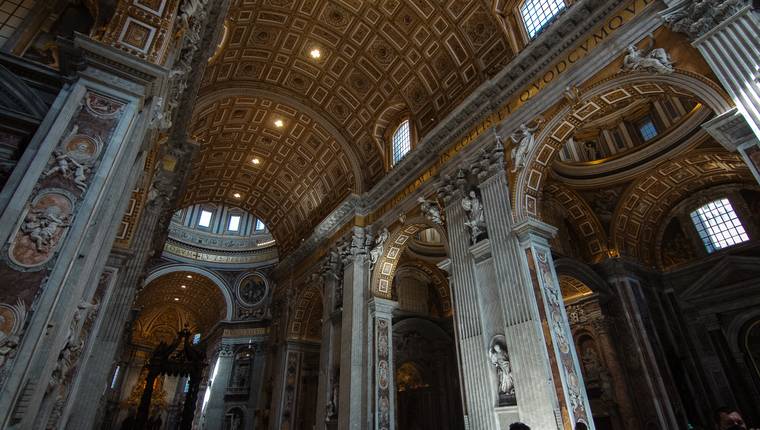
pixel 564 366
pixel 61 220
pixel 289 387
pixel 213 416
pixel 352 404
pixel 384 392
pixel 520 305
pixel 602 328
pixel 479 400
pixel 627 287
pixel 329 350
pixel 726 33
pixel 537 401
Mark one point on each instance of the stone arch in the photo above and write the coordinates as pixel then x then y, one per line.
pixel 225 289
pixel 307 314
pixel 387 119
pixel 571 268
pixel 530 180
pixel 385 267
pixel 648 200
pixel 432 274
pixel 584 219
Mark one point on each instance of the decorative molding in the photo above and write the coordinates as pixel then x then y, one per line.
pixel 730 129
pixel 696 18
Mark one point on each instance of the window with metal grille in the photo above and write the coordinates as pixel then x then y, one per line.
pixel 537 14
pixel 401 142
pixel 718 225
pixel 647 129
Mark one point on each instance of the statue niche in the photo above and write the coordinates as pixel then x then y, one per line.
pixel 500 360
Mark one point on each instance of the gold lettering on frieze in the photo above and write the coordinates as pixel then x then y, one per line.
pixel 602 33
pixel 245 332
pixel 216 258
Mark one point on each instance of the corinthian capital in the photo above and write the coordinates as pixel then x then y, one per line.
pixel 356 248
pixel 491 160
pixel 331 266
pixel 695 18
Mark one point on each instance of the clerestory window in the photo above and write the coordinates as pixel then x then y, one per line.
pixel 401 142
pixel 718 226
pixel 205 218
pixel 537 14
pixel 234 224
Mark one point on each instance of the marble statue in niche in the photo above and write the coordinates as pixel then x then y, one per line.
pixel 591 364
pixel 505 382
pixel 252 290
pixel 431 210
pixel 648 60
pixel 476 221
pixel 524 140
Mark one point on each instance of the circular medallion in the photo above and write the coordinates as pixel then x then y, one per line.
pixel 82 148
pixel 252 289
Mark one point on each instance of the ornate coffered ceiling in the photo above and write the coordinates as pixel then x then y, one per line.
pixel 302 174
pixel 379 62
pixel 572 288
pixel 166 306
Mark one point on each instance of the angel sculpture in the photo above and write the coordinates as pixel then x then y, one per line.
pixel 377 251
pixel 42 226
pixel 648 60
pixel 524 140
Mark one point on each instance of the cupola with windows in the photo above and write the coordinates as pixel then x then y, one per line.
pixel 219 235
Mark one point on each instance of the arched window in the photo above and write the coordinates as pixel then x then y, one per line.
pixel 718 225
pixel 536 14
pixel 401 142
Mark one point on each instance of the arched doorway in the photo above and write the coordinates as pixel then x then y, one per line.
pixel 172 299
pixel 427 386
pixel 424 352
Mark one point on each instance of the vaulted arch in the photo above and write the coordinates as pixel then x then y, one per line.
pixel 647 201
pixel 553 134
pixel 289 174
pixel 385 267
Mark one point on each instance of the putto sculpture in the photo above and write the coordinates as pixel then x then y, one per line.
pixel 42 226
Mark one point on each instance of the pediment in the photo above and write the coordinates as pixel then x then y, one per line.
pixel 731 275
